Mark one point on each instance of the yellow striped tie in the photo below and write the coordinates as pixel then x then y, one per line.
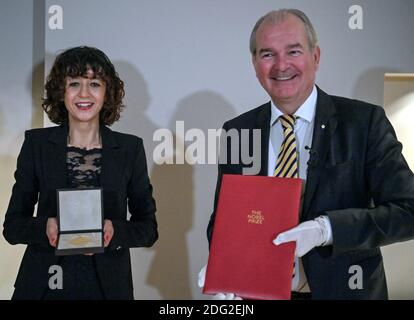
pixel 287 161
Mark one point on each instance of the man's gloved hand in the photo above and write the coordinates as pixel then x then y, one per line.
pixel 202 277
pixel 308 235
pixel 218 296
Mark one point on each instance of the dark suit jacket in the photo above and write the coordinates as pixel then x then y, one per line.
pixel 358 177
pixel 41 169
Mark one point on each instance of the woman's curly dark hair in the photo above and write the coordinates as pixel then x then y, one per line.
pixel 76 62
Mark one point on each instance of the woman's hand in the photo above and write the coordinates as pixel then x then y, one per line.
pixel 108 232
pixel 52 231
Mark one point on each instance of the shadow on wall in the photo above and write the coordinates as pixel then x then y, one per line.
pixel 137 101
pixel 370 85
pixel 184 191
pixel 36 86
pixel 178 188
pixel 173 191
pixel 134 120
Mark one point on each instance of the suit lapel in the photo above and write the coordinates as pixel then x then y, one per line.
pixel 54 158
pixel 324 129
pixel 263 123
pixel 112 160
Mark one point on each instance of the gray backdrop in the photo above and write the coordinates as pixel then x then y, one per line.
pixel 185 60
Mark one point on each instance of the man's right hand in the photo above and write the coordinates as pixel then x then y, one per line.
pixel 217 296
pixel 52 231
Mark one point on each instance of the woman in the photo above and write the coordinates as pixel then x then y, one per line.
pixel 83 96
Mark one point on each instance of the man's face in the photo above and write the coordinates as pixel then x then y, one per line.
pixel 284 63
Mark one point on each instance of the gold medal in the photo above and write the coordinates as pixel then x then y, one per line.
pixel 80 240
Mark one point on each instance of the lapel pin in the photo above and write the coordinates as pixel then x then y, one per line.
pixel 323 126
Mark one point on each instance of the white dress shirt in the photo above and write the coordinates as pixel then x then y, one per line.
pixel 305 122
pixel 303 131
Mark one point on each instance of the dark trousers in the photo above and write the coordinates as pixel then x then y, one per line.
pixel 301 295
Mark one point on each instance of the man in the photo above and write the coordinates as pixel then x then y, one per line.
pixel 359 190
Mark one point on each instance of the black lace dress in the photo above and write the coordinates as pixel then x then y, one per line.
pixel 80 279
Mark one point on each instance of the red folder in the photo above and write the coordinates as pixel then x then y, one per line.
pixel 251 212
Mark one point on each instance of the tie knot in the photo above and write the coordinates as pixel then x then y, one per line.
pixel 288 121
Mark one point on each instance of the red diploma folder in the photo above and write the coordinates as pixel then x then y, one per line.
pixel 251 212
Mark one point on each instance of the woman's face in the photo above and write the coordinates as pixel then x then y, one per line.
pixel 84 98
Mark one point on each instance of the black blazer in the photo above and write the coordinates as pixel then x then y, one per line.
pixel 359 178
pixel 41 169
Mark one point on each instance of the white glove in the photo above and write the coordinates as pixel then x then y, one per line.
pixel 218 296
pixel 308 235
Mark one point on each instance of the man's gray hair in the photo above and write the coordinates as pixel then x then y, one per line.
pixel 277 16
